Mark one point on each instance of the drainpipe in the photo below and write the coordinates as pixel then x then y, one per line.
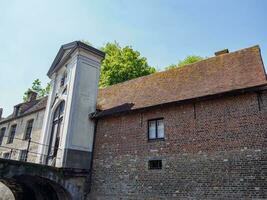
pixel 89 180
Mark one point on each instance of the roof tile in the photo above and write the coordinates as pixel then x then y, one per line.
pixel 227 72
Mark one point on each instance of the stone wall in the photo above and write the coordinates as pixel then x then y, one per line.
pixel 213 149
pixel 5 192
pixel 19 143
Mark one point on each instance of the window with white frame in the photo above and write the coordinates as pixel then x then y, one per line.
pixel 155 129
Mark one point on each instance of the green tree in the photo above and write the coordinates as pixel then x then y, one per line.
pixel 36 87
pixel 188 60
pixel 122 64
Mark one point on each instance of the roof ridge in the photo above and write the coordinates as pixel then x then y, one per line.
pixel 38 99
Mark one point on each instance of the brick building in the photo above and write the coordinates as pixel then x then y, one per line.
pixel 196 132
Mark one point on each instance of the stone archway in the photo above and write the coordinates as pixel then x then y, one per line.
pixel 25 187
pixel 6 193
pixel 34 181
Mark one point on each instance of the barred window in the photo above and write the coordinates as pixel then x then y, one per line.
pixel 155 164
pixel 28 130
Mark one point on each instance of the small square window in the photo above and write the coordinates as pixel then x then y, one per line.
pixel 155 164
pixel 155 129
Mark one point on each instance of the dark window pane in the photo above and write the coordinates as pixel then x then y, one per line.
pixel 12 134
pixel 28 129
pixel 2 135
pixel 23 155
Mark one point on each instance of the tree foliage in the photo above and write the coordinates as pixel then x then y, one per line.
pixel 188 60
pixel 37 87
pixel 122 64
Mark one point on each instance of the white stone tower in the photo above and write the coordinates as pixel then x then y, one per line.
pixel 67 130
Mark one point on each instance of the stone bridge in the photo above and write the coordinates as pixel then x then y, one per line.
pixel 30 181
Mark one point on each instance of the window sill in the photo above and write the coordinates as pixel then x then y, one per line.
pixel 156 140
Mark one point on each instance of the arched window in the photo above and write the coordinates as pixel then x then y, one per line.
pixel 55 133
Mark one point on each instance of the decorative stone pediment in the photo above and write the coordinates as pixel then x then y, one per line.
pixel 66 51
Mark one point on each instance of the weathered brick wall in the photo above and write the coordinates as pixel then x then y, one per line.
pixel 217 152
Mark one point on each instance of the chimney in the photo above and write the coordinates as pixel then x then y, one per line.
pixel 1 113
pixel 32 95
pixel 224 51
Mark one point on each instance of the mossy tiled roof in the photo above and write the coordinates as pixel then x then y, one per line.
pixel 219 74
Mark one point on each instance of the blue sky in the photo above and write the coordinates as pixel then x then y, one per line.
pixel 164 31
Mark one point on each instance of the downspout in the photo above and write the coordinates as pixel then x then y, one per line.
pixel 89 178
